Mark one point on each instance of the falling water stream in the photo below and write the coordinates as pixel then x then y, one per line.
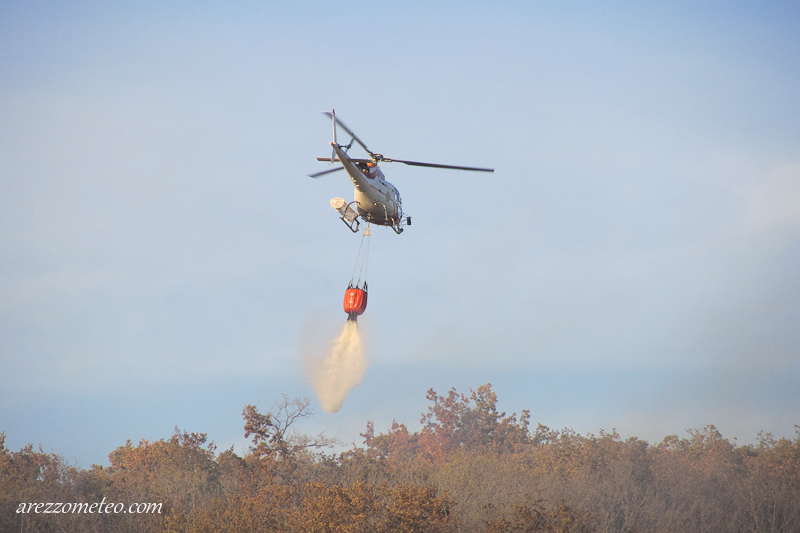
pixel 340 370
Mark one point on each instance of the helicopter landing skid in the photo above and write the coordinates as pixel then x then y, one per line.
pixel 347 214
pixel 350 218
pixel 350 225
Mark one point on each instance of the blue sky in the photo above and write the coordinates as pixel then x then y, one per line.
pixel 631 264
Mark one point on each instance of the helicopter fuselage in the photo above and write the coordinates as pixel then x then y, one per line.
pixel 376 200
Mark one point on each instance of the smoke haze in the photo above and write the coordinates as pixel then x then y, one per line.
pixel 340 371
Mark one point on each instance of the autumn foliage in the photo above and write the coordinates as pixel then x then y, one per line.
pixel 468 468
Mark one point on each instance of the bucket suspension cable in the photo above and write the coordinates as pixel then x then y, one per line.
pixel 355 297
pixel 361 267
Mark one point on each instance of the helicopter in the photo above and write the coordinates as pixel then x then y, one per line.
pixel 376 200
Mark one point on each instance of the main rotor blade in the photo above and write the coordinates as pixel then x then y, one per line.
pixel 348 130
pixel 436 165
pixel 318 174
pixel 337 160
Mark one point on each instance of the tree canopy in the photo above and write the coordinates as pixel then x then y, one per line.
pixel 468 468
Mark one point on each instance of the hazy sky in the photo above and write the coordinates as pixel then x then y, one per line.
pixel 633 263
